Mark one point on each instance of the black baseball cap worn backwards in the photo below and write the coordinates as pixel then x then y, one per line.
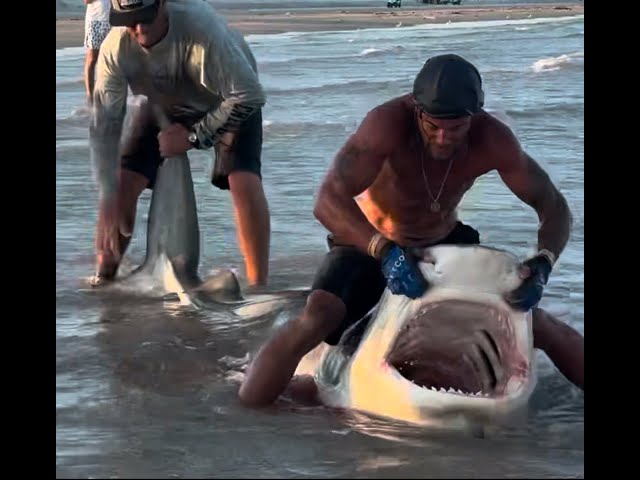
pixel 128 13
pixel 448 86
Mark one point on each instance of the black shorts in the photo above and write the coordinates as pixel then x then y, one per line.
pixel 239 150
pixel 357 278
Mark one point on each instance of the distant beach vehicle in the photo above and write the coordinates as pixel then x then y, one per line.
pixel 442 2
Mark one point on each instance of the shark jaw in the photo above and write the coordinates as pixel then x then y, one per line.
pixel 458 354
pixel 465 350
pixel 463 375
pixel 462 348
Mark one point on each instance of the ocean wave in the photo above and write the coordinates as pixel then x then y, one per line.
pixel 395 33
pixel 354 86
pixel 69 84
pixel 78 117
pixel 294 129
pixel 547 110
pixel 266 63
pixel 367 52
pixel 550 64
pixel 65 53
pixel 382 80
pixel 274 124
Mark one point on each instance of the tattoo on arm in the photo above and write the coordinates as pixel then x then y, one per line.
pixel 345 165
pixel 353 171
pixel 355 168
pixel 541 188
pixel 534 187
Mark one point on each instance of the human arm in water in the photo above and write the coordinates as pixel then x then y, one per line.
pixel 105 129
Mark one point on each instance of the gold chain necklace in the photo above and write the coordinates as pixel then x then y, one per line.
pixel 435 205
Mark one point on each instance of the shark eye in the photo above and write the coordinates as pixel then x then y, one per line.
pixel 427 257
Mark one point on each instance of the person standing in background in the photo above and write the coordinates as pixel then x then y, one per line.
pixel 184 57
pixel 96 28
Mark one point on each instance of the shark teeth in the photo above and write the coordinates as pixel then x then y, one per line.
pixel 452 391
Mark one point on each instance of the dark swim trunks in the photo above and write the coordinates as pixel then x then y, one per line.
pixel 236 151
pixel 357 278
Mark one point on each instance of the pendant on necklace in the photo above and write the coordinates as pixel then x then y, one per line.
pixel 435 206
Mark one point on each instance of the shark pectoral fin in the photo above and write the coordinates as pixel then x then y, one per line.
pixel 222 287
pixel 171 297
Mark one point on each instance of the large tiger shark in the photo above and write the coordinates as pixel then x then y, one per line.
pixel 459 353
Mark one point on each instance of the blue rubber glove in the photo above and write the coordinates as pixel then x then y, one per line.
pixel 529 293
pixel 402 273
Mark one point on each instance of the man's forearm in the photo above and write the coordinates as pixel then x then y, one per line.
pixel 339 213
pixel 108 111
pixel 227 117
pixel 104 141
pixel 105 168
pixel 555 229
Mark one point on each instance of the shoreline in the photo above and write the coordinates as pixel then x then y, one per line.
pixel 70 26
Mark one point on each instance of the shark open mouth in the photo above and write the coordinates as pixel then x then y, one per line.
pixel 460 347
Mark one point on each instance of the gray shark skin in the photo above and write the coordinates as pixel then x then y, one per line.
pixel 173 241
pixel 172 256
pixel 173 246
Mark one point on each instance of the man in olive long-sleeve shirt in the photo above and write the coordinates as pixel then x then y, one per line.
pixel 185 58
